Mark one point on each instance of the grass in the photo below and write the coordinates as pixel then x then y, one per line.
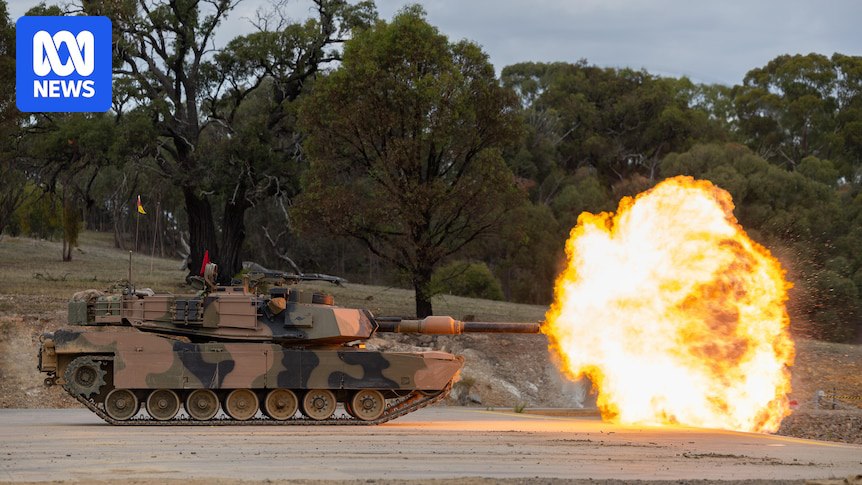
pixel 34 275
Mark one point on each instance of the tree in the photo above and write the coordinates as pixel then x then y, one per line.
pixel 194 92
pixel 12 187
pixel 620 122
pixel 528 254
pixel 8 112
pixel 804 105
pixel 404 147
pixel 849 116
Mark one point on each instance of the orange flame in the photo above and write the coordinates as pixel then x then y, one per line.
pixel 674 314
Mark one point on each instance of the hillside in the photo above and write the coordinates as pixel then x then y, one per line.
pixel 501 370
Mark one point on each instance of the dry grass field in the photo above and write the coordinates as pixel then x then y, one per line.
pixel 501 370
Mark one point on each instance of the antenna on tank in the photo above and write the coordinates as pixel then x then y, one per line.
pixel 130 270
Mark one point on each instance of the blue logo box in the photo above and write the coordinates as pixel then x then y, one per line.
pixel 63 64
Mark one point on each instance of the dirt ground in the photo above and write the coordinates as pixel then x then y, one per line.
pixel 501 370
pixel 443 442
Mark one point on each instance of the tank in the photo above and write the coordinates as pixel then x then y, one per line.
pixel 262 351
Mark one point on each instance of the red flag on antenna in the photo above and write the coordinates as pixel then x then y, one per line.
pixel 206 261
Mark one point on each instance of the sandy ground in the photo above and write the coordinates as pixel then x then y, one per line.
pixel 436 443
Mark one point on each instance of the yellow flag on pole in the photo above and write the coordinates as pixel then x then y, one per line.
pixel 141 206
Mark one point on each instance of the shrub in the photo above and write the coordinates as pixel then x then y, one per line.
pixel 473 280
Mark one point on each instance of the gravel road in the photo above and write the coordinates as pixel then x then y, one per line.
pixel 436 443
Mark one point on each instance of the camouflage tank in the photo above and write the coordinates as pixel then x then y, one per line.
pixel 245 354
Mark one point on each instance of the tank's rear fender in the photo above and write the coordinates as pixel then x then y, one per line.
pixel 58 349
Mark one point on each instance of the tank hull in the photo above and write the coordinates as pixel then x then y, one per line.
pixel 152 369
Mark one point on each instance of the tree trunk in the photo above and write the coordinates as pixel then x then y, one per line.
pixel 118 237
pixel 202 233
pixel 422 285
pixel 233 236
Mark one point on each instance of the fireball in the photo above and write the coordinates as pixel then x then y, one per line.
pixel 674 313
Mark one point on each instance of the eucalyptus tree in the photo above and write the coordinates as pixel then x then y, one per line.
pixel 405 144
pixel 195 91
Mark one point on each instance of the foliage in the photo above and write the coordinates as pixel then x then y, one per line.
pixel 527 255
pixel 404 141
pixel 803 105
pixel 224 128
pixel 468 279
pixel 8 112
pixel 12 179
pixel 618 122
pixel 39 216
pixel 585 193
pixel 11 192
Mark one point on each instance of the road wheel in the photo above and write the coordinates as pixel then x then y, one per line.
pixel 121 404
pixel 368 404
pixel 318 404
pixel 280 404
pixel 163 404
pixel 202 404
pixel 241 404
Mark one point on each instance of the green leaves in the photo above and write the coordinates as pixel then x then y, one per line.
pixel 800 106
pixel 7 65
pixel 404 141
pixel 472 280
pixel 620 122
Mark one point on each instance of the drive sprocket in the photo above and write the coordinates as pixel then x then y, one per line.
pixel 84 376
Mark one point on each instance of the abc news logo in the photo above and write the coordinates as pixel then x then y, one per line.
pixel 46 58
pixel 63 64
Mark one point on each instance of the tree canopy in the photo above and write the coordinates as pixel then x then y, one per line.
pixel 405 146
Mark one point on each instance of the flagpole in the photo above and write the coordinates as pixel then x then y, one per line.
pixel 140 210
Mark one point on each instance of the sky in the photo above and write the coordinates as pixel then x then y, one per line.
pixel 714 41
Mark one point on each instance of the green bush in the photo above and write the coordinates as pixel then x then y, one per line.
pixel 473 280
pixel 39 216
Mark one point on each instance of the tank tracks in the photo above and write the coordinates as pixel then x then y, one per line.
pixel 412 402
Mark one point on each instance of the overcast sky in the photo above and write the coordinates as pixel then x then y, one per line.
pixel 714 41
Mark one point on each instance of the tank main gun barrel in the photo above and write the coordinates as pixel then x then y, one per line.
pixel 442 325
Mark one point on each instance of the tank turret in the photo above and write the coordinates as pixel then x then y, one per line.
pixel 254 352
